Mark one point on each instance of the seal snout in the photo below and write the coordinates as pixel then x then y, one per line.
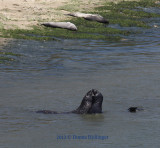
pixel 94 92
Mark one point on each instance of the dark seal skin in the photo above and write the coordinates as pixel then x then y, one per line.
pixel 97 100
pixel 91 104
pixel 135 109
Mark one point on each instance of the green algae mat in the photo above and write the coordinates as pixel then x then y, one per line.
pixel 5 57
pixel 121 16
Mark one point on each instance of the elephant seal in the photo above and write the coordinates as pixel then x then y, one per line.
pixel 64 25
pixel 90 17
pixel 91 104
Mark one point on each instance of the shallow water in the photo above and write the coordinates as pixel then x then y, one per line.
pixel 56 75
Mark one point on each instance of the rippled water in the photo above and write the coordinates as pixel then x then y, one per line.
pixel 56 75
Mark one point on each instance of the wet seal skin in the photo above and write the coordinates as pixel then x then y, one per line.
pixel 91 104
pixel 135 109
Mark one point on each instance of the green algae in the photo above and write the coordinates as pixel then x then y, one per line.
pixel 24 34
pixel 5 59
pixel 7 56
pixel 128 13
pixel 42 33
pixel 128 5
pixel 124 14
pixel 10 53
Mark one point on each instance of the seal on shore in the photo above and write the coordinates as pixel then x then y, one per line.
pixel 64 25
pixel 91 104
pixel 90 17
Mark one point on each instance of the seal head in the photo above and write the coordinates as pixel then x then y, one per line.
pixel 97 100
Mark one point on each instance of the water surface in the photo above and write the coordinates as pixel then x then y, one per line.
pixel 56 75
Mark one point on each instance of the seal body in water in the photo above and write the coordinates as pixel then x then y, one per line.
pixel 91 104
pixel 135 109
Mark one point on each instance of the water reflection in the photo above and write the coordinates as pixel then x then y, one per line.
pixel 94 118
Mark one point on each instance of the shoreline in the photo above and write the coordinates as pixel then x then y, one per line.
pixel 129 13
pixel 23 14
pixel 125 18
